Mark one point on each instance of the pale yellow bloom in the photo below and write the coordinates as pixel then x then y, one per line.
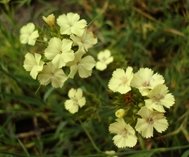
pixel 28 34
pixel 145 80
pixel 52 74
pixel 86 41
pixel 76 101
pixel 158 98
pixel 81 65
pixel 54 48
pixel 104 58
pixel 150 120
pixel 33 63
pixel 120 113
pixel 71 24
pixel 125 134
pixel 110 153
pixel 120 81
pixel 59 51
pixel 50 20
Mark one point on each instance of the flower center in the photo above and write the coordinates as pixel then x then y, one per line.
pixel 104 59
pixel 150 120
pixel 158 97
pixel 146 84
pixel 124 132
pixel 124 80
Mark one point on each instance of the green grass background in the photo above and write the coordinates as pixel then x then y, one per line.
pixel 139 33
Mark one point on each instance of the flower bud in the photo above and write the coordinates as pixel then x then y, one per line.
pixel 120 113
pixel 50 20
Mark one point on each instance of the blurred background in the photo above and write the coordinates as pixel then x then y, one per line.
pixel 139 33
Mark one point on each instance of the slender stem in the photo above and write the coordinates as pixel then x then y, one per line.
pixel 24 148
pixel 37 89
pixel 130 152
pixel 90 138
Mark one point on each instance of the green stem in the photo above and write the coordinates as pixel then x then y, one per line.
pixel 24 148
pixel 90 138
pixel 132 152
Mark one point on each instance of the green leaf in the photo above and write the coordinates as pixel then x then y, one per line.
pixel 4 1
pixel 142 154
pixel 185 154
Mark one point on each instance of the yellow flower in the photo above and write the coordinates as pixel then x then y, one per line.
pixel 86 41
pixel 50 20
pixel 76 100
pixel 104 58
pixel 150 119
pixel 110 153
pixel 120 113
pixel 28 34
pixel 33 63
pixel 145 80
pixel 52 74
pixel 59 51
pixel 120 81
pixel 81 65
pixel 125 134
pixel 71 24
pixel 159 98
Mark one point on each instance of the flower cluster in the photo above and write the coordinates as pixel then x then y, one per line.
pixel 147 109
pixel 63 53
